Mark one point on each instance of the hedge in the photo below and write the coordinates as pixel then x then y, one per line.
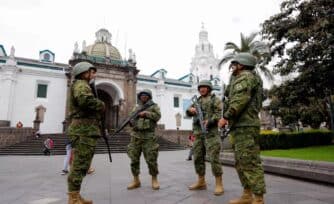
pixel 285 140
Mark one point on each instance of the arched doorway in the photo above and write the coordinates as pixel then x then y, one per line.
pixel 112 111
pixel 111 95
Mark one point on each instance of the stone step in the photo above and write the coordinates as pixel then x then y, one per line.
pixel 118 143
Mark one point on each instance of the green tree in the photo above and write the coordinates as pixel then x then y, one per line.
pixel 249 44
pixel 289 104
pixel 301 37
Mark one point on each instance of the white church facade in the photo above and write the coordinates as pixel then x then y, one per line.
pixel 36 90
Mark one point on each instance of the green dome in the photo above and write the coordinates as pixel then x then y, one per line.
pixel 102 46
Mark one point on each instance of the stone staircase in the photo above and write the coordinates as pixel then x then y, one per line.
pixel 118 143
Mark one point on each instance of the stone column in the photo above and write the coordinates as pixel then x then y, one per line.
pixel 37 124
pixel 8 79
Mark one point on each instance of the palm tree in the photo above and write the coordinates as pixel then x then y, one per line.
pixel 248 44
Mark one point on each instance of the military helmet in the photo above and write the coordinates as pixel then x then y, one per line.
pixel 82 67
pixel 145 91
pixel 206 83
pixel 245 58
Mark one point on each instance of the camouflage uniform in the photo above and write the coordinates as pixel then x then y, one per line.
pixel 243 105
pixel 144 140
pixel 210 143
pixel 83 131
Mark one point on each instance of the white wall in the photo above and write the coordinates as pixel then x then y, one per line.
pixel 25 99
pixel 163 95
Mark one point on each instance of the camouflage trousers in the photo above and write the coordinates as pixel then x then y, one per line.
pixel 146 143
pixel 210 146
pixel 247 159
pixel 84 148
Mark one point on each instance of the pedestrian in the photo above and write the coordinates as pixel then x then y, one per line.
pixel 48 145
pixel 242 114
pixel 85 112
pixel 19 124
pixel 68 148
pixel 191 140
pixel 209 143
pixel 144 140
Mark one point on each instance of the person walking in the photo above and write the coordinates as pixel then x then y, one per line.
pixel 67 158
pixel 48 145
pixel 144 140
pixel 85 112
pixel 242 116
pixel 210 142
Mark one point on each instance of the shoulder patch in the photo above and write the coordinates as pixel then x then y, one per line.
pixel 238 87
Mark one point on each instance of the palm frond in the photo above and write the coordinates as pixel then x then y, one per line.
pixel 248 44
pixel 227 57
pixel 261 47
pixel 232 46
pixel 251 37
pixel 244 47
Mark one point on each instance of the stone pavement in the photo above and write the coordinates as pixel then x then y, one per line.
pixel 37 180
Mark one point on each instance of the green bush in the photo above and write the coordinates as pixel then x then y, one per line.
pixel 284 140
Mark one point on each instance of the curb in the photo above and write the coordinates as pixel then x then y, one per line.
pixel 302 169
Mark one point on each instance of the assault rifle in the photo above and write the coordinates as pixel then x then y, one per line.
pixel 133 116
pixel 225 130
pixel 200 116
pixel 103 121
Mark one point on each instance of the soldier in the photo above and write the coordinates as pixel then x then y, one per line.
pixel 85 111
pixel 209 143
pixel 243 106
pixel 144 140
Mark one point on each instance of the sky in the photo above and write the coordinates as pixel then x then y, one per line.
pixel 163 34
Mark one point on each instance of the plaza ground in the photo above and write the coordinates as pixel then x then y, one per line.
pixel 37 180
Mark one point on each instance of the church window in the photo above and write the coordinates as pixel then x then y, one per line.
pixel 176 102
pixel 211 77
pixel 203 47
pixel 42 90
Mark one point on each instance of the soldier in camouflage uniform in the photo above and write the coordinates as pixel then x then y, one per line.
pixel 243 106
pixel 209 143
pixel 85 111
pixel 144 140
